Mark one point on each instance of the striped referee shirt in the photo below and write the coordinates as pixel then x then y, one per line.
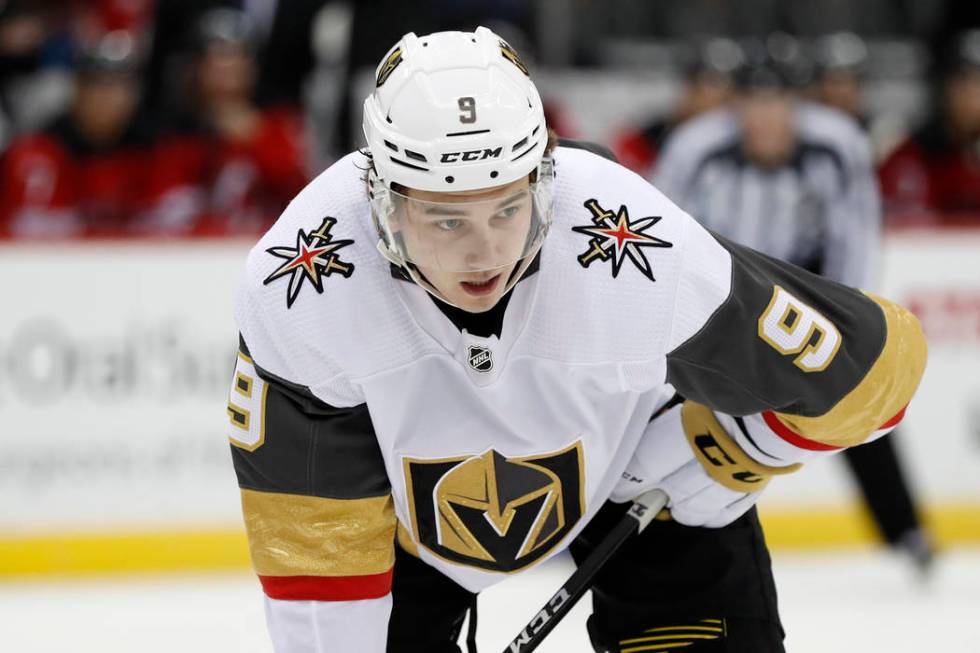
pixel 820 210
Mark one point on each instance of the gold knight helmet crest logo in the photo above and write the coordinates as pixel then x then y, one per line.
pixel 493 512
pixel 390 63
pixel 510 54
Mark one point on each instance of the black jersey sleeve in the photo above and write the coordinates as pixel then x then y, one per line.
pixel 315 494
pixel 826 363
pixel 589 146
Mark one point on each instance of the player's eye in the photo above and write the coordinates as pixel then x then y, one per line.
pixel 507 213
pixel 452 224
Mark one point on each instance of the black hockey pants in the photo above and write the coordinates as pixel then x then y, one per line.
pixel 706 590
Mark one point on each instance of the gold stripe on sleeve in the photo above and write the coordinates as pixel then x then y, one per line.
pixel 884 391
pixel 295 535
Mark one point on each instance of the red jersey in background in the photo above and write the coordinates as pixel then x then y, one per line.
pixel 637 149
pixel 928 178
pixel 57 185
pixel 204 183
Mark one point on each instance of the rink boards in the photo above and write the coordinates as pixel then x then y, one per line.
pixel 114 366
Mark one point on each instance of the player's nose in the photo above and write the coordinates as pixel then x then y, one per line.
pixel 480 248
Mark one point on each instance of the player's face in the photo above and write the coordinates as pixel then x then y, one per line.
pixel 707 92
pixel 841 91
pixel 963 104
pixel 467 244
pixel 104 105
pixel 768 134
pixel 225 72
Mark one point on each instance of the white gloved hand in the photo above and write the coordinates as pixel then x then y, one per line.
pixel 686 452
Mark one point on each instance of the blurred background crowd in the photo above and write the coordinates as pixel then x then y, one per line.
pixel 205 117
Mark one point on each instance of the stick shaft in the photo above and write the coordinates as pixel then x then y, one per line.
pixel 643 510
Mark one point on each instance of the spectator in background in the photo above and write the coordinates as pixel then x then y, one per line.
pixel 795 180
pixel 840 74
pixel 707 85
pixel 281 39
pixel 81 175
pixel 35 61
pixel 935 174
pixel 225 165
pixel 840 63
pixel 89 20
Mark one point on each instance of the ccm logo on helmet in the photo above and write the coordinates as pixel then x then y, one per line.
pixel 471 155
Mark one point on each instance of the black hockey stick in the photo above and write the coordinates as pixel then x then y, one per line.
pixel 645 507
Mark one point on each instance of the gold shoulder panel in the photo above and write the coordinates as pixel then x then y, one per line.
pixel 884 391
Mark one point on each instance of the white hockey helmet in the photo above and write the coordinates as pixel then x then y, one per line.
pixel 454 112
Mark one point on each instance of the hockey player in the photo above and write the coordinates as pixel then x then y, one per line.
pixel 411 427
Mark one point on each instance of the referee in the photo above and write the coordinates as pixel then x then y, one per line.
pixel 795 180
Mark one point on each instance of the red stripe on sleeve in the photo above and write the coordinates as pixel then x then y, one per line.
pixel 792 437
pixel 895 420
pixel 327 588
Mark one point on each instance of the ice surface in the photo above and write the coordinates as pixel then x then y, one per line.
pixel 861 602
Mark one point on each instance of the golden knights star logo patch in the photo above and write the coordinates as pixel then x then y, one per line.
pixel 314 257
pixel 493 512
pixel 615 238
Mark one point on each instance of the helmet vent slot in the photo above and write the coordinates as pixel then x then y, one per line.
pixel 536 129
pixel 391 146
pixel 416 156
pixel 519 144
pixel 469 133
pixel 407 165
pixel 533 145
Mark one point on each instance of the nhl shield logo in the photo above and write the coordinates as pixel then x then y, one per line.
pixel 480 358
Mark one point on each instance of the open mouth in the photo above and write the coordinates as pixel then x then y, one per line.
pixel 482 287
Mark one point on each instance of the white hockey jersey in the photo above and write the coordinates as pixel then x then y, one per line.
pixel 359 406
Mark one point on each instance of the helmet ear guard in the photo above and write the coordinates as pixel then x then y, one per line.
pixel 381 209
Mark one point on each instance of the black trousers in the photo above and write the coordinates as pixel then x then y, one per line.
pixel 884 486
pixel 710 590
